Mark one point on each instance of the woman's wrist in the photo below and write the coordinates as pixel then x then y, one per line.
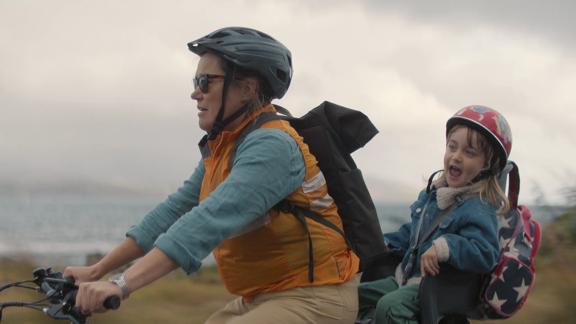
pixel 97 271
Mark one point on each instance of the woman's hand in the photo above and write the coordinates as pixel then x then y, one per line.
pixel 429 262
pixel 83 274
pixel 91 296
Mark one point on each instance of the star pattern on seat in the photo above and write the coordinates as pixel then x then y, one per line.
pixel 497 302
pixel 503 241
pixel 501 274
pixel 522 289
pixel 513 252
pixel 504 222
pixel 512 278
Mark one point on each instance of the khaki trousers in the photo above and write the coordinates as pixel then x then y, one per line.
pixel 331 304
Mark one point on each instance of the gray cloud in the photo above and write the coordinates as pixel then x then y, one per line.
pixel 100 90
pixel 551 20
pixel 119 146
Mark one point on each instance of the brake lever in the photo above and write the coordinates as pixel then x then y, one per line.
pixel 65 310
pixel 73 316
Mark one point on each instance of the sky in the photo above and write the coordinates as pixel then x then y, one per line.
pixel 99 91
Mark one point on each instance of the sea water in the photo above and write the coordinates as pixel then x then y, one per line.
pixel 65 229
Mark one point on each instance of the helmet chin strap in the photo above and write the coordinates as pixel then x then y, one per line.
pixel 220 122
pixel 218 125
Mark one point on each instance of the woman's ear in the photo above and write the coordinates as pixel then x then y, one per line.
pixel 250 88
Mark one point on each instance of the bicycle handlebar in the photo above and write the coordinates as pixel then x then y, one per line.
pixel 60 296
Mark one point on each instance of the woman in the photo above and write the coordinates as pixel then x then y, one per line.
pixel 227 205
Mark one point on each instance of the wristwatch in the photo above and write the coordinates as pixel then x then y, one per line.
pixel 118 279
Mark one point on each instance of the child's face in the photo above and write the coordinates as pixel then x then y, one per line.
pixel 464 159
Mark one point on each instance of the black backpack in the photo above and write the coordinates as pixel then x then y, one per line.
pixel 332 133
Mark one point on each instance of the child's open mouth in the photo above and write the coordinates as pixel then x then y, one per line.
pixel 454 171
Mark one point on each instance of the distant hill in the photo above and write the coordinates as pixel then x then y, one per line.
pixel 71 187
pixel 382 191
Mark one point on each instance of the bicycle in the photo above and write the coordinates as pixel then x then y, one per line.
pixel 60 296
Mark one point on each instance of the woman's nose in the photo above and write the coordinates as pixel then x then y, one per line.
pixel 196 94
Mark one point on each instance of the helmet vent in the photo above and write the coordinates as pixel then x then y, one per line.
pixel 280 74
pixel 265 36
pixel 219 35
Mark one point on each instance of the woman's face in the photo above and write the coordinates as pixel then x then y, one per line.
pixel 208 103
pixel 463 160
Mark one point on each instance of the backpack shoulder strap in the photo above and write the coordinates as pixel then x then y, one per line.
pixel 283 110
pixel 301 214
pixel 252 126
pixel 294 209
pixel 509 180
pixel 258 122
pixel 513 185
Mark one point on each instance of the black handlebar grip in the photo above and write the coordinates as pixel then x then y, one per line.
pixel 112 302
pixel 70 281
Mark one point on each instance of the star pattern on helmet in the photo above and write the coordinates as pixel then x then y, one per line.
pixel 502 128
pixel 522 289
pixel 481 111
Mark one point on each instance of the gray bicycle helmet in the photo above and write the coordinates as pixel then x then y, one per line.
pixel 252 50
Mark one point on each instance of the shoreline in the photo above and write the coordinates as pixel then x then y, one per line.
pixel 62 259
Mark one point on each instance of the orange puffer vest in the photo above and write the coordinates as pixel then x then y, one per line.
pixel 272 254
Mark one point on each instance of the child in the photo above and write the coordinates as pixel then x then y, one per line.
pixel 465 201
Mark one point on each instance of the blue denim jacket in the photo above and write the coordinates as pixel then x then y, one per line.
pixel 470 229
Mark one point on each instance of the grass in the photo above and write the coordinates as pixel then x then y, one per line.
pixel 182 299
pixel 176 298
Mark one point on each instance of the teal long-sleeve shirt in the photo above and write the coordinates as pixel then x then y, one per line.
pixel 267 167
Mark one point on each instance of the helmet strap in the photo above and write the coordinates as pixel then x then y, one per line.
pixel 236 114
pixel 218 123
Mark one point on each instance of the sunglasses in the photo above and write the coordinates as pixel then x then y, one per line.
pixel 201 81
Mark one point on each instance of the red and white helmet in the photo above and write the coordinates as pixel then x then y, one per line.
pixel 488 122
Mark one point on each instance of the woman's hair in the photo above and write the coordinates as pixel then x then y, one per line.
pixel 239 75
pixel 490 189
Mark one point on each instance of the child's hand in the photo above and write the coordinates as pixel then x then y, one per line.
pixel 429 263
